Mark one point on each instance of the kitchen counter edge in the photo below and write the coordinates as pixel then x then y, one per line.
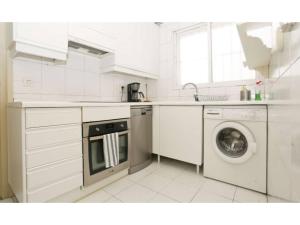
pixel 50 104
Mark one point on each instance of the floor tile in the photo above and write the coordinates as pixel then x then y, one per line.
pixel 118 186
pixel 172 181
pixel 168 171
pixel 159 198
pixel 7 200
pixel 219 188
pixel 155 182
pixel 179 191
pixel 245 195
pixel 191 178
pixel 135 177
pixel 96 197
pixel 136 193
pixel 272 199
pixel 113 200
pixel 152 167
pixel 207 197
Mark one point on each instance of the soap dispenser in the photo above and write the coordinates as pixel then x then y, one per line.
pixel 258 90
pixel 245 94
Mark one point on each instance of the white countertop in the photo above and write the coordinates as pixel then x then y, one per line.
pixel 41 104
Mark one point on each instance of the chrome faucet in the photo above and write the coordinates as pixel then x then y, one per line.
pixel 196 97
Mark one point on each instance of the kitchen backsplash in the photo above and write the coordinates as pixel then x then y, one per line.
pixel 79 79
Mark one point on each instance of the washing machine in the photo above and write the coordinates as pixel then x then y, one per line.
pixel 235 145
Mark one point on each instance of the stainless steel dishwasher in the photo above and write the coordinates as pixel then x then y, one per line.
pixel 141 138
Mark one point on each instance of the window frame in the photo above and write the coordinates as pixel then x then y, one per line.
pixel 211 83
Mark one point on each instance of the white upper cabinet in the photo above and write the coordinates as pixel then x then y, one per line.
pixel 48 40
pixel 137 50
pixel 96 35
pixel 128 48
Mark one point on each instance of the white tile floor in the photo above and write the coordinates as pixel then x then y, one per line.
pixel 172 182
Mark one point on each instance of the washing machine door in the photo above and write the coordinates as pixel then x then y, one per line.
pixel 233 142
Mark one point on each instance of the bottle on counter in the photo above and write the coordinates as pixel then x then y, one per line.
pixel 258 90
pixel 245 94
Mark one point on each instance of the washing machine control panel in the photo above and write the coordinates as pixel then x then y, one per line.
pixel 234 113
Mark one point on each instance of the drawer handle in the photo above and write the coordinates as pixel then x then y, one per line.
pixel 212 113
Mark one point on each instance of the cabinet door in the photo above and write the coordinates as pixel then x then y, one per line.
pixel 148 50
pixel 155 130
pixel 42 39
pixel 127 46
pixel 138 47
pixel 92 34
pixel 180 133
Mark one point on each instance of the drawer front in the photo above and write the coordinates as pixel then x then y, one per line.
pixel 50 174
pixel 53 154
pixel 51 136
pixel 56 189
pixel 39 117
pixel 105 113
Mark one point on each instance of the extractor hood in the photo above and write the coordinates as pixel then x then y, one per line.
pixel 82 48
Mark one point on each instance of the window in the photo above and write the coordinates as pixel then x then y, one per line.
pixel 212 53
pixel 193 55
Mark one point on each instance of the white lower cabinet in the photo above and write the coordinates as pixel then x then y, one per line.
pixel 47 175
pixel 284 152
pixel 155 130
pixel 42 137
pixel 179 133
pixel 45 158
pixel 55 189
pixel 53 154
pixel 90 114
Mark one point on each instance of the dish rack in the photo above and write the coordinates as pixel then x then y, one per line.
pixel 212 97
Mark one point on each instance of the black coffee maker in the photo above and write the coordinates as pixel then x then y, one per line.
pixel 133 92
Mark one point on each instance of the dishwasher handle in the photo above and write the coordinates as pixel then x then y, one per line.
pixel 146 111
pixel 141 111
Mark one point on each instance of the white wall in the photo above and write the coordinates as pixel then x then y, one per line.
pixel 284 121
pixel 287 86
pixel 78 79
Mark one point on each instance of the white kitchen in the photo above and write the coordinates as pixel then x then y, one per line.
pixel 146 111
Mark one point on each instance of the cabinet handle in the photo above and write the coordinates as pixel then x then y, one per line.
pixel 212 113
